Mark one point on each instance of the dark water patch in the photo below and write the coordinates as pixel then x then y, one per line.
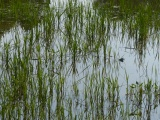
pixel 27 14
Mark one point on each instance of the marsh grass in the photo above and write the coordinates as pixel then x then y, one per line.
pixel 144 100
pixel 40 74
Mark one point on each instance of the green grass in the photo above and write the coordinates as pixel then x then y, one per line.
pixel 53 69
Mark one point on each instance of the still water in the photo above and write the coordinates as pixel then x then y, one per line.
pixel 83 66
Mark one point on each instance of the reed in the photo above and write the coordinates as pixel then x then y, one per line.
pixel 63 62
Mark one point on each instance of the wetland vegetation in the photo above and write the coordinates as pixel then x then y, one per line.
pixel 73 59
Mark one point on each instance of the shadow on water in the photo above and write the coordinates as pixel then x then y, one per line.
pixel 28 14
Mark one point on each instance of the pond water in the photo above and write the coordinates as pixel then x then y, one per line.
pixel 79 60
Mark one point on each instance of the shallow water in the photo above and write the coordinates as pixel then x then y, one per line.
pixel 77 73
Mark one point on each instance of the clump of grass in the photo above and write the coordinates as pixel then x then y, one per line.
pixel 143 99
pixel 37 64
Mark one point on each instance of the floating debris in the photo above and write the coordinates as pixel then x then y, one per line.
pixel 121 59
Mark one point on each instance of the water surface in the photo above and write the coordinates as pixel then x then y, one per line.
pixel 61 60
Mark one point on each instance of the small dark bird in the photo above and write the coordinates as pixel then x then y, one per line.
pixel 121 59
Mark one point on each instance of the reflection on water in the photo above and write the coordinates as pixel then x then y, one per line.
pixel 11 13
pixel 69 60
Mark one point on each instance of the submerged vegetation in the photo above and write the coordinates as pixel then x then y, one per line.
pixel 66 60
